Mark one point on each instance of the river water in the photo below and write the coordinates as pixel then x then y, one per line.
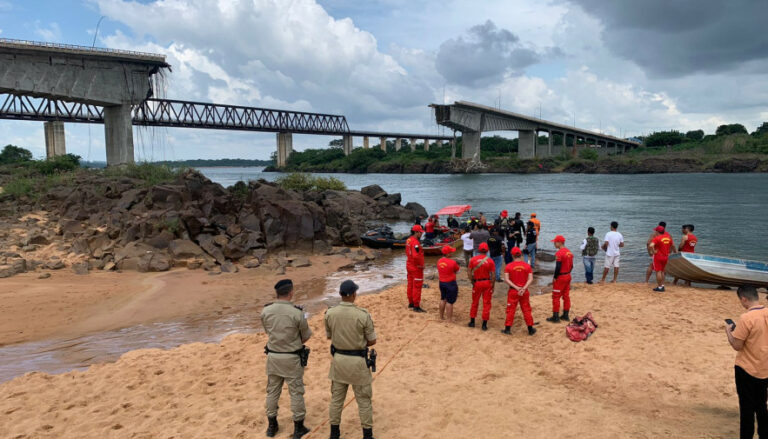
pixel 729 211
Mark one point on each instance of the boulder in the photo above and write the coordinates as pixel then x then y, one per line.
pixel 321 247
pixel 154 262
pixel 194 264
pixel 71 226
pixel 38 239
pixel 374 191
pixel 133 250
pixel 228 267
pixel 300 262
pixel 44 276
pixel 80 268
pixel 207 243
pixel 417 209
pixel 109 266
pixel 18 265
pixel 162 240
pixel 392 199
pixel 54 264
pixel 252 263
pixel 6 271
pixel 183 248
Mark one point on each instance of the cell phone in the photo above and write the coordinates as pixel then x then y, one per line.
pixel 730 322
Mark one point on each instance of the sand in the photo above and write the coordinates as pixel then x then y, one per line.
pixel 658 366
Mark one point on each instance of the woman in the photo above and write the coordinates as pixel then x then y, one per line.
pixel 530 244
pixel 430 229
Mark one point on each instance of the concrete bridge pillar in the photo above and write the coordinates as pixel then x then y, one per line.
pixel 439 143
pixel 549 143
pixel 284 148
pixel 365 142
pixel 118 133
pixel 398 144
pixel 412 143
pixel 453 147
pixel 347 144
pixel 526 144
pixel 383 143
pixel 426 144
pixel 470 145
pixel 55 143
pixel 557 149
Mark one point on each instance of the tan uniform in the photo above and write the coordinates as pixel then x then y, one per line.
pixel 350 328
pixel 286 326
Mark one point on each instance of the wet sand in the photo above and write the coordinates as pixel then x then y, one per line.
pixel 658 366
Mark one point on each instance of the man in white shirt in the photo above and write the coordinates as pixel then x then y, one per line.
pixel 611 244
pixel 469 245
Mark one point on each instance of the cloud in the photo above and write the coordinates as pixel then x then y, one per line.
pixel 673 39
pixel 50 33
pixel 486 53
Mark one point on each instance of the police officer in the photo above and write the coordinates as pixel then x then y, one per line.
pixel 288 331
pixel 350 330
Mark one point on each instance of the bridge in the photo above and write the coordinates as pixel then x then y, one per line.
pixel 473 119
pixel 56 83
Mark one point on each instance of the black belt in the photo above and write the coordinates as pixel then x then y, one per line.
pixel 480 280
pixel 269 351
pixel 562 274
pixel 352 353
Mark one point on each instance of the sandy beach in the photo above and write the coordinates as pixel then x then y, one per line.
pixel 658 366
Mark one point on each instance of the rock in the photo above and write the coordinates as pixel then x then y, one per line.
pixel 374 191
pixel 54 264
pixel 341 250
pixel 194 264
pixel 280 270
pixel 321 247
pixel 234 230
pixel 131 197
pixel 183 249
pixel 71 226
pixel 252 263
pixel 229 267
pixel 387 276
pixel 358 258
pixel 301 262
pixel 132 251
pixel 158 262
pixel 80 268
pixel 6 271
pixel 162 240
pixel 207 243
pixel 392 199
pixel 210 266
pixel 44 276
pixel 28 248
pixel 38 239
pixel 80 247
pixel 18 265
pixel 417 209
pixel 221 240
pixel 109 266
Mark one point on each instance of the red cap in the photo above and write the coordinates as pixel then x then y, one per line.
pixel 483 247
pixel 504 213
pixel 417 228
pixel 436 217
pixel 447 250
pixel 659 229
pixel 559 238
pixel 516 251
pixel 533 215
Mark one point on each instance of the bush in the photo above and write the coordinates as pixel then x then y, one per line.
pixel 14 154
pixel 694 135
pixel 19 187
pixel 734 128
pixel 151 173
pixel 57 164
pixel 664 138
pixel 588 154
pixel 298 181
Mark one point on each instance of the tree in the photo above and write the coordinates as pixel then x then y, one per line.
pixel 761 130
pixel 14 154
pixel 664 138
pixel 734 128
pixel 695 135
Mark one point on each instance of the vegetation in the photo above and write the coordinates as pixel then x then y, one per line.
pixel 206 163
pixel 13 154
pixel 734 128
pixel 305 182
pixel 588 154
pixel 150 173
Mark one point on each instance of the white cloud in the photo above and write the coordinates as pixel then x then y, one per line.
pixel 50 33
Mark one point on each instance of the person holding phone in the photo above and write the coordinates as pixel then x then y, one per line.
pixel 749 337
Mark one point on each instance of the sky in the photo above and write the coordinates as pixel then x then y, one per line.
pixel 623 67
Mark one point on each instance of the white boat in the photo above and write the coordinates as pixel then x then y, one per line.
pixel 717 270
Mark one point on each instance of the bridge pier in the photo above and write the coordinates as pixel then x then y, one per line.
pixel 365 142
pixel 470 145
pixel 526 144
pixel 383 143
pixel 549 143
pixel 398 144
pixel 284 148
pixel 412 143
pixel 347 144
pixel 55 143
pixel 118 134
pixel 426 144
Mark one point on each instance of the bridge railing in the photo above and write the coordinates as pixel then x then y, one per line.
pixel 27 44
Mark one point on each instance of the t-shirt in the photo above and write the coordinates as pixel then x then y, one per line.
pixel 468 243
pixel 479 237
pixel 662 244
pixel 752 328
pixel 565 258
pixel 518 272
pixel 447 269
pixel 613 239
pixel 530 236
pixel 689 246
pixel 485 271
pixel 430 227
pixel 494 247
pixel 519 227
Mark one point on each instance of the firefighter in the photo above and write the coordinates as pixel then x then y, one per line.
pixel 415 267
pixel 482 274
pixel 519 276
pixel 561 285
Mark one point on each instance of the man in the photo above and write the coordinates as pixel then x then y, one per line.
pixel 502 222
pixel 468 245
pixel 612 243
pixel 536 225
pixel 649 271
pixel 687 245
pixel 449 289
pixel 519 276
pixel 518 229
pixel 589 248
pixel 452 222
pixel 414 267
pixel 750 338
pixel 287 329
pixel 479 236
pixel 561 284
pixel 351 332
pixel 481 273
pixel 495 250
pixel 660 248
pixel 531 237
pixel 429 229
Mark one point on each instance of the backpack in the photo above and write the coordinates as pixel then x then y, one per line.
pixel 581 328
pixel 592 247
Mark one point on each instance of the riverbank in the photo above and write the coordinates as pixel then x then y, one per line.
pixel 656 367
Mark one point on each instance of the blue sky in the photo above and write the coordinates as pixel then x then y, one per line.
pixel 631 68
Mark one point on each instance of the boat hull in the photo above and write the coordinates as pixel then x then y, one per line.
pixel 717 270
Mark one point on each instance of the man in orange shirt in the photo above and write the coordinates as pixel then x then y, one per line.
pixel 536 225
pixel 750 338
pixel 561 285
pixel 687 245
pixel 449 290
pixel 518 275
pixel 482 274
pixel 414 266
pixel 661 246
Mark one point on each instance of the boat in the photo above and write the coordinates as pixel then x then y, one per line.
pixel 717 270
pixel 382 237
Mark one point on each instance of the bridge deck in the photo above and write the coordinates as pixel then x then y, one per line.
pixel 12 45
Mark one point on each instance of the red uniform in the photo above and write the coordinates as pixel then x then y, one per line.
pixel 518 274
pixel 483 270
pixel 446 269
pixel 689 246
pixel 663 244
pixel 430 227
pixel 415 268
pixel 561 287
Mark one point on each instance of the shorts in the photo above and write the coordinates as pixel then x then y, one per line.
pixel 612 261
pixel 449 291
pixel 659 264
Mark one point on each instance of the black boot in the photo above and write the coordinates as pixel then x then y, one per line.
pixel 367 433
pixel 565 316
pixel 299 429
pixel 410 306
pixel 485 325
pixel 471 323
pixel 555 318
pixel 418 309
pixel 531 330
pixel 272 428
pixel 335 432
pixel 506 330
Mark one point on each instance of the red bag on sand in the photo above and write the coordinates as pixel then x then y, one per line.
pixel 581 328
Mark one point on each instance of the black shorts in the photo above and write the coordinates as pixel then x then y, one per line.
pixel 449 291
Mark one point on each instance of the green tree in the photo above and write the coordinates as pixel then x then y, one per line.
pixel 14 154
pixel 695 135
pixel 734 128
pixel 761 130
pixel 664 138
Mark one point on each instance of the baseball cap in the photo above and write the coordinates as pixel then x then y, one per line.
pixel 559 238
pixel 348 288
pixel 417 228
pixel 659 229
pixel 504 213
pixel 533 215
pixel 483 247
pixel 516 251
pixel 447 249
pixel 284 286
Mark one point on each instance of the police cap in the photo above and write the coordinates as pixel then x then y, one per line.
pixel 284 286
pixel 348 288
